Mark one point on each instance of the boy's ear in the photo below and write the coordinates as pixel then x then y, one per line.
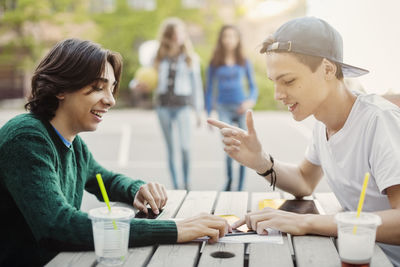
pixel 329 69
pixel 60 96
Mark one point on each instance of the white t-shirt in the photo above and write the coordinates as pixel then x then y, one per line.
pixel 369 141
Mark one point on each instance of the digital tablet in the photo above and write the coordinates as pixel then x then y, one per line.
pixel 302 206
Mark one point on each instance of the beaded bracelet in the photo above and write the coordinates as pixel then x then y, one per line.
pixel 271 172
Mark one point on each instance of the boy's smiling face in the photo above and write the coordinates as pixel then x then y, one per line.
pixel 86 107
pixel 296 86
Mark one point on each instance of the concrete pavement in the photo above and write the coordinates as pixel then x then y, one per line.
pixel 129 141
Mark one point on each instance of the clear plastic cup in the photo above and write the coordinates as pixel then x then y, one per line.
pixel 356 237
pixel 111 234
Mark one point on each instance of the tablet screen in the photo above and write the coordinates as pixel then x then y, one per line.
pixel 302 206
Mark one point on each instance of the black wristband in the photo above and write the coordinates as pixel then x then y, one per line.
pixel 271 172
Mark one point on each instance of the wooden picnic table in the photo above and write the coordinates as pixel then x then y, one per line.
pixel 300 251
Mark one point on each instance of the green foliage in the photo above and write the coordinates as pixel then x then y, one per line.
pixel 123 30
pixel 25 22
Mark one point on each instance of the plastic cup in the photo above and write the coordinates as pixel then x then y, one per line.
pixel 356 237
pixel 111 234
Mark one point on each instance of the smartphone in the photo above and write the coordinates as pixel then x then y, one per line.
pixel 150 214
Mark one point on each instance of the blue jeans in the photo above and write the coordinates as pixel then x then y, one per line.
pixel 228 113
pixel 179 116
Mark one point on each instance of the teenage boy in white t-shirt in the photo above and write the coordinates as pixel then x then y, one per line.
pixel 353 134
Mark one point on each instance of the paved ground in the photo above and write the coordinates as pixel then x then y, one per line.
pixel 130 141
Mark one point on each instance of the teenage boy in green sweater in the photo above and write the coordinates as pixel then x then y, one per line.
pixel 45 165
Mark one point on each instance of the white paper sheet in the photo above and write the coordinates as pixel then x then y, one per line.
pixel 274 236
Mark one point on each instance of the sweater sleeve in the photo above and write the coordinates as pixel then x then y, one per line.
pixel 123 189
pixel 119 187
pixel 253 94
pixel 31 179
pixel 209 89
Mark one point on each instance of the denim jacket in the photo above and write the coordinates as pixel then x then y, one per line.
pixel 187 80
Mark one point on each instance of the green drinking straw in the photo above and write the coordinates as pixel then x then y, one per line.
pixel 105 196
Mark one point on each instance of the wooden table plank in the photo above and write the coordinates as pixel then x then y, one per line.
pixel 228 203
pixel 329 202
pixel 257 196
pixel 175 199
pixel 78 259
pixel 379 259
pixel 185 254
pixel 213 255
pixel 141 255
pixel 264 254
pixel 232 203
pixel 315 251
pixel 175 255
pixel 197 202
pixel 138 256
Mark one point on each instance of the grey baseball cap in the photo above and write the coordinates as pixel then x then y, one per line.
pixel 315 37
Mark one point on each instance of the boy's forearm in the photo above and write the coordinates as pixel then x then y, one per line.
pixel 320 224
pixel 289 179
pixel 389 231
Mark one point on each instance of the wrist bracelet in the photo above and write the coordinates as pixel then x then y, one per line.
pixel 271 172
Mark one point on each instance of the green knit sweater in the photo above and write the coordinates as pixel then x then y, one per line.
pixel 41 188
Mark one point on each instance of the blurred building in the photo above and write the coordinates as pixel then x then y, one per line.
pixel 14 80
pixel 23 40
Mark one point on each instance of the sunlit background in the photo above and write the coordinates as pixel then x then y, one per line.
pixel 129 140
pixel 28 28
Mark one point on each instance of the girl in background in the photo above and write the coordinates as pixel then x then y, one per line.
pixel 179 89
pixel 227 71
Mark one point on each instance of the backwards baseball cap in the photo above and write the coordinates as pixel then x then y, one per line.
pixel 314 37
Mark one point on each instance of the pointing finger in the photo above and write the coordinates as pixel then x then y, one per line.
pixel 250 122
pixel 218 124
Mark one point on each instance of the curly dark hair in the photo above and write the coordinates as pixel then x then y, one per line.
pixel 71 65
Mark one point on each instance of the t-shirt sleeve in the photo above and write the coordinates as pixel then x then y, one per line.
pixel 384 158
pixel 311 153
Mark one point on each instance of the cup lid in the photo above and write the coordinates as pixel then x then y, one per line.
pixel 117 213
pixel 350 217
